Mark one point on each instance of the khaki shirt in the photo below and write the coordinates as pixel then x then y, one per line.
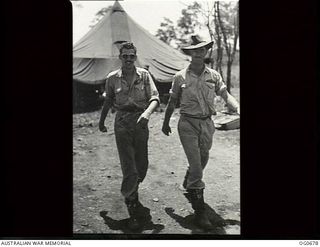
pixel 197 93
pixel 137 95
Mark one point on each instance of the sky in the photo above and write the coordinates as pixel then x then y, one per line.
pixel 147 13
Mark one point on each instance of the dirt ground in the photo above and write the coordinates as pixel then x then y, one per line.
pixel 98 204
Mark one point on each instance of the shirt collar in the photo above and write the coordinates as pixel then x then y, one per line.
pixel 206 69
pixel 119 72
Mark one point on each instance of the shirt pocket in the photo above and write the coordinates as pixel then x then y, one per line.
pixel 186 88
pixel 139 92
pixel 188 95
pixel 119 94
pixel 210 90
pixel 184 91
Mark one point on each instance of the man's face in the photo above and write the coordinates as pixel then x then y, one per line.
pixel 128 57
pixel 199 54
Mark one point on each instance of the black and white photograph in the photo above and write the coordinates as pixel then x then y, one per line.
pixel 156 117
pixel 121 121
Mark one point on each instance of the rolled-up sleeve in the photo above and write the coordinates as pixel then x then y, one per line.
pixel 109 90
pixel 220 86
pixel 175 90
pixel 154 94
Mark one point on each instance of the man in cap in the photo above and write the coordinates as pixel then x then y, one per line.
pixel 134 95
pixel 196 87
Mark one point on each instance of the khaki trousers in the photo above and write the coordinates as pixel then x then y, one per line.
pixel 132 144
pixel 196 138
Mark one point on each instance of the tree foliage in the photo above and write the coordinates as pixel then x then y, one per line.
pixel 166 32
pixel 188 23
pixel 179 34
pixel 99 15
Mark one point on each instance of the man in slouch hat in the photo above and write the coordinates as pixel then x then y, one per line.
pixel 196 87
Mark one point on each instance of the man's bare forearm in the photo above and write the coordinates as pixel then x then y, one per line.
pixel 170 109
pixel 105 109
pixel 230 100
pixel 152 106
pixel 147 113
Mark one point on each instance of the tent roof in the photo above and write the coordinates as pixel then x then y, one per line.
pixel 96 54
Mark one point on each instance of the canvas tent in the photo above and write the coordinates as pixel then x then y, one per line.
pixel 96 54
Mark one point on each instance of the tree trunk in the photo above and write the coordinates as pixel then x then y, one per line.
pixel 219 57
pixel 228 82
pixel 211 37
pixel 230 51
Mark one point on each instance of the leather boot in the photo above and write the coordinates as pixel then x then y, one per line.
pixel 132 206
pixel 184 184
pixel 197 202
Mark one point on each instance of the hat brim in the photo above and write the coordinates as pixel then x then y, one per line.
pixel 187 49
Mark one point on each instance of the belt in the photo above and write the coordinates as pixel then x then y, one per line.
pixel 196 117
pixel 131 110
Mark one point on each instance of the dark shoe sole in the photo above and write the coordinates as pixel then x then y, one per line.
pixel 204 226
pixel 133 225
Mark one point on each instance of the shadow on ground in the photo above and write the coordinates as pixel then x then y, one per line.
pixel 144 219
pixel 218 223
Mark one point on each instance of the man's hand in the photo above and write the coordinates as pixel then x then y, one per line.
pixel 102 128
pixel 238 110
pixel 166 129
pixel 146 114
pixel 144 119
pixel 143 122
